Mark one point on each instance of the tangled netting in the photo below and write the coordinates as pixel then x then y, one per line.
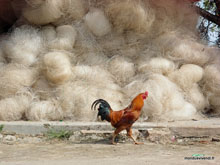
pixel 67 53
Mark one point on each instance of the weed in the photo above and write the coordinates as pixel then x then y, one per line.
pixel 58 134
pixel 1 128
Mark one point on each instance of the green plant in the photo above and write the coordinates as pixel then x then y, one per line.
pixel 58 134
pixel 1 128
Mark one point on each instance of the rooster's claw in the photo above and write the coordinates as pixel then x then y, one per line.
pixel 138 143
pixel 113 143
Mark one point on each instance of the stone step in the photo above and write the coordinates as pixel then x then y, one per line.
pixel 200 128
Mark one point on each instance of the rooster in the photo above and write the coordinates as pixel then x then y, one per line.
pixel 123 119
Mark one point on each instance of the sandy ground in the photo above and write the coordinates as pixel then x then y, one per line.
pixel 66 153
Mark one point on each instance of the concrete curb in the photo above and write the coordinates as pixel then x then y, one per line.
pixel 180 128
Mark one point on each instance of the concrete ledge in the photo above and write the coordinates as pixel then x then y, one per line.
pixel 35 128
pixel 179 128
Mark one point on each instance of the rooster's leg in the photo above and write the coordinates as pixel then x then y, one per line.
pixel 129 133
pixel 117 131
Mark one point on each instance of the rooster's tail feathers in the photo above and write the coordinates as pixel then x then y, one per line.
pixel 104 109
pixel 101 102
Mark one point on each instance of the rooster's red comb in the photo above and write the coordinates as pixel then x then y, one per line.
pixel 146 93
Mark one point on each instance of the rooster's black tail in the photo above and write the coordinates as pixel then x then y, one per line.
pixel 104 109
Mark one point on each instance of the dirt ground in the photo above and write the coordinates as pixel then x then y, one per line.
pixel 67 153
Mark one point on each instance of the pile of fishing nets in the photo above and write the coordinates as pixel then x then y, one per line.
pixel 65 54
